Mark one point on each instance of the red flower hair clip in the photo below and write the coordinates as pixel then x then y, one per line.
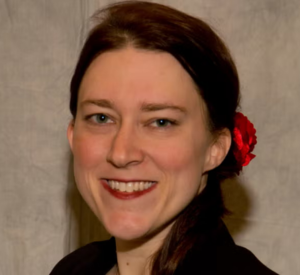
pixel 244 139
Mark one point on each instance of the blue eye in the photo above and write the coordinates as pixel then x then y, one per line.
pixel 163 123
pixel 100 118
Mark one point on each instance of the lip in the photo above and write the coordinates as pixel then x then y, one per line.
pixel 123 195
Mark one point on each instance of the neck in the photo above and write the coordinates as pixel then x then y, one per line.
pixel 134 256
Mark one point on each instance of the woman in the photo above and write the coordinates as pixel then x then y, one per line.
pixel 154 132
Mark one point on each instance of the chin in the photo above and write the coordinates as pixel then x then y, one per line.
pixel 127 231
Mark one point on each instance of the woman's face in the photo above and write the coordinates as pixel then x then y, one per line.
pixel 140 141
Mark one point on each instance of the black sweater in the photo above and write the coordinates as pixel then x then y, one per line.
pixel 221 257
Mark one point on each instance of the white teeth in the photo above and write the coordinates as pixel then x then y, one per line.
pixel 129 187
pixel 122 186
pixel 136 186
pixel 141 186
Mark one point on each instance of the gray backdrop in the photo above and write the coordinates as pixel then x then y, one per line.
pixel 42 217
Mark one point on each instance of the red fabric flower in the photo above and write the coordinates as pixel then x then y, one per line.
pixel 244 138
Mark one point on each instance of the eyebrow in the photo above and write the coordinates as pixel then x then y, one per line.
pixel 151 107
pixel 99 102
pixel 146 107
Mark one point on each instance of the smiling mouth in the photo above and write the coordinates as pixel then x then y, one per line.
pixel 129 187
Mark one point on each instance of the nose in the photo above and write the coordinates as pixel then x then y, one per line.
pixel 125 150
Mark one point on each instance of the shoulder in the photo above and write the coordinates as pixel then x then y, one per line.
pixel 222 260
pixel 239 260
pixel 95 257
pixel 219 255
pixel 236 259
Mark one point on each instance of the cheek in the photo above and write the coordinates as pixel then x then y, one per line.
pixel 179 156
pixel 87 151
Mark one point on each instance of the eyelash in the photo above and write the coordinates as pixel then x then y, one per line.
pixel 170 122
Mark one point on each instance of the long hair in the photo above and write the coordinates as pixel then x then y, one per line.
pixel 204 56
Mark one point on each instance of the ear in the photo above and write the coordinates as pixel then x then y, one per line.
pixel 70 131
pixel 218 150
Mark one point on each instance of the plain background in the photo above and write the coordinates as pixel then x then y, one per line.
pixel 42 217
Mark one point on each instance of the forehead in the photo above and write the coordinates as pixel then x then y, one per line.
pixel 137 75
